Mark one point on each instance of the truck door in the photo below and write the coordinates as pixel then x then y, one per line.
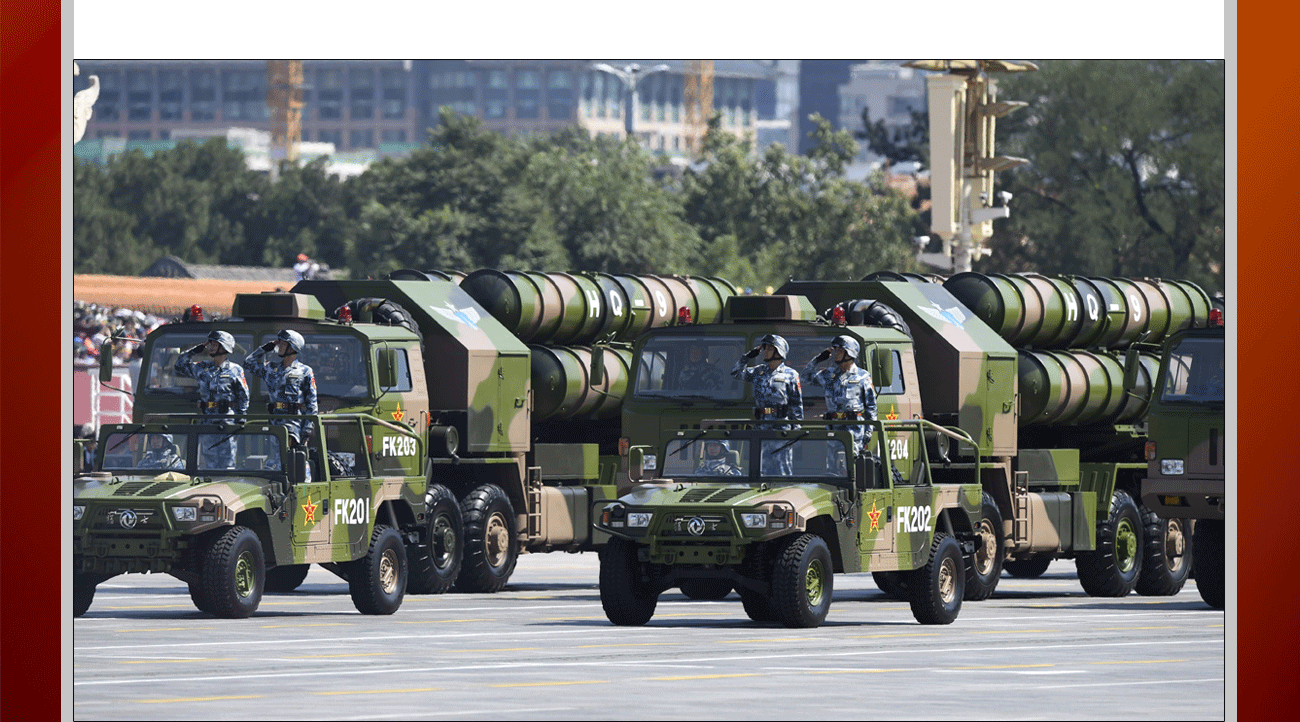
pixel 354 461
pixel 311 521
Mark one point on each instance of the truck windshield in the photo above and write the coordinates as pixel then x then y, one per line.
pixel 160 372
pixel 689 367
pixel 1195 372
pixel 337 361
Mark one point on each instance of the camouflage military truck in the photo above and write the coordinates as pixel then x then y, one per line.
pixel 1186 479
pixel 777 539
pixel 233 531
pixel 1029 367
pixel 488 372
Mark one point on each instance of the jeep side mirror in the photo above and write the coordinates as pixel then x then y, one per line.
pixel 106 362
pixel 597 366
pixel 882 368
pixel 387 360
pixel 298 458
pixel 639 462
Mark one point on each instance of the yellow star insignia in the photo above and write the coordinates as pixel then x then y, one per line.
pixel 874 514
pixel 309 510
pixel 398 414
pixel 892 415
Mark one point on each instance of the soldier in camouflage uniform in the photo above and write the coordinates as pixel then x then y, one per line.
pixel 850 395
pixel 777 397
pixel 290 386
pixel 162 454
pixel 697 373
pixel 715 461
pixel 223 391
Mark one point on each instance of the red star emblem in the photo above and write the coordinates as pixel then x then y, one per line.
pixel 309 510
pixel 892 415
pixel 874 514
pixel 398 414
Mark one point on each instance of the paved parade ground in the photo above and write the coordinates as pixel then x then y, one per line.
pixel 543 649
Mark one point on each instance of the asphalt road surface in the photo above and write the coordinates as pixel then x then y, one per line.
pixel 542 649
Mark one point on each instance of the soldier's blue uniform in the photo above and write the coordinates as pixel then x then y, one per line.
pixel 291 389
pixel 718 465
pixel 223 391
pixel 162 458
pixel 849 396
pixel 777 397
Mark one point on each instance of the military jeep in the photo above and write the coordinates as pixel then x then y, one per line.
pixel 778 540
pixel 256 519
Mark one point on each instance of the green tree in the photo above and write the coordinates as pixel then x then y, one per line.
pixel 1126 175
pixel 304 211
pixel 770 217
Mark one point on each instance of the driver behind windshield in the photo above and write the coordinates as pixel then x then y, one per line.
pixel 162 454
pixel 715 461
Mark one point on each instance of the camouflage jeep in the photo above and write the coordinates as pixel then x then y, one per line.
pixel 257 525
pixel 708 526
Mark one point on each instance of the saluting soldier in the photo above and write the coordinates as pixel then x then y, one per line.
pixel 850 395
pixel 290 385
pixel 223 391
pixel 778 397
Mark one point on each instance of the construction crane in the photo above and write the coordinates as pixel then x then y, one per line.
pixel 698 99
pixel 284 98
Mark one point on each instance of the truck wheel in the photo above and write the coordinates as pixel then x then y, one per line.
pixel 281 580
pixel 234 574
pixel 624 594
pixel 802 582
pixel 705 589
pixel 1112 570
pixel 83 592
pixel 1166 555
pixel 491 545
pixel 1031 568
pixel 377 581
pixel 757 606
pixel 938 587
pixel 435 559
pixel 893 584
pixel 1208 540
pixel 984 567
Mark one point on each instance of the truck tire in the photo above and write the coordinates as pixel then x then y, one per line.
pixel 1166 555
pixel 377 581
pixel 1031 568
pixel 1113 569
pixel 491 545
pixel 285 579
pixel 803 582
pixel 1208 540
pixel 435 559
pixel 710 590
pixel 83 592
pixel 893 584
pixel 757 606
pixel 234 574
pixel 196 596
pixel 984 566
pixel 624 594
pixel 938 587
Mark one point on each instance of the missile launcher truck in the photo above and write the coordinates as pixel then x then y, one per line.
pixel 1186 480
pixel 1028 368
pixel 470 439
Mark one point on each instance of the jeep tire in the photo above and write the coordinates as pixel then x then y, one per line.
pixel 938 587
pixel 802 582
pixel 233 574
pixel 984 566
pixel 285 579
pixel 624 593
pixel 377 581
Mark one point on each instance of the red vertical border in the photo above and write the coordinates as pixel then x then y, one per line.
pixel 1268 336
pixel 32 361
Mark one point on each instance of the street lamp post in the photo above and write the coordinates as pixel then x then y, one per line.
pixel 630 75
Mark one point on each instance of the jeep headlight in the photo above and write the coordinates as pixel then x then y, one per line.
pixel 754 521
pixel 185 513
pixel 1171 467
pixel 78 511
pixel 638 519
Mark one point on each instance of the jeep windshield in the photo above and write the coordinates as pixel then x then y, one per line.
pixel 1196 371
pixel 811 455
pixel 151 452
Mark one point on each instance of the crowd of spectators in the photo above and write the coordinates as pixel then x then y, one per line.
pixel 93 324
